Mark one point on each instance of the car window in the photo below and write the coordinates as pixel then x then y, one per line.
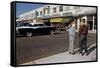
pixel 23 24
pixel 41 24
pixel 19 24
pixel 28 25
pixel 36 25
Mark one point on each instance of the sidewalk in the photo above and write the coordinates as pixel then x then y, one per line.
pixel 66 57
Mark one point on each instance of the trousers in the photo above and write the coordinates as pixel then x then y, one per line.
pixel 82 43
pixel 71 43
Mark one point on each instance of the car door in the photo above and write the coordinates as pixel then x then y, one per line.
pixel 43 28
pixel 36 29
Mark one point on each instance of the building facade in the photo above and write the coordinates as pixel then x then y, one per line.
pixel 59 15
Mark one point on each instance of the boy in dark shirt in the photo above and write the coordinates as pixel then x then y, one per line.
pixel 83 31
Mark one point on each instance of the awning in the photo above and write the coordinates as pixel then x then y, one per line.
pixel 45 20
pixel 66 20
pixel 54 20
pixel 60 20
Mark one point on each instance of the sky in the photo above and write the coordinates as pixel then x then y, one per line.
pixel 25 7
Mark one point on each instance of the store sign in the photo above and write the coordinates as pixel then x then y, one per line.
pixel 56 15
pixel 67 14
pixel 57 20
pixel 89 12
pixel 46 16
pixel 78 12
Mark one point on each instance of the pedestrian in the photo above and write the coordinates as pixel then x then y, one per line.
pixel 83 31
pixel 71 31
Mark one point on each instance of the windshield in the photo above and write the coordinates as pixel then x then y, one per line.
pixel 38 25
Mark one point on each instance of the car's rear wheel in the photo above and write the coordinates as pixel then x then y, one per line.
pixel 52 32
pixel 29 34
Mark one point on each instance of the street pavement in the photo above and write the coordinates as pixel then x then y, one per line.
pixel 36 47
pixel 66 57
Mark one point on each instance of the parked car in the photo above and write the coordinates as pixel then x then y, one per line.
pixel 30 29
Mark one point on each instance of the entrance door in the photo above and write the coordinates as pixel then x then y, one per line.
pixel 90 25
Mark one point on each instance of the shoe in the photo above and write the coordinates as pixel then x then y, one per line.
pixel 70 53
pixel 86 54
pixel 82 54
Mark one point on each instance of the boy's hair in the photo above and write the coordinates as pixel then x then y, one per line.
pixel 71 20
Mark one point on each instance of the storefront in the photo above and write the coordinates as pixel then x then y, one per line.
pixel 91 22
pixel 60 23
pixel 56 22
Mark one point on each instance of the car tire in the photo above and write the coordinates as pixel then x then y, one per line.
pixel 52 32
pixel 28 34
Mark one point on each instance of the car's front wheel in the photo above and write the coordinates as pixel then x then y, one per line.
pixel 28 34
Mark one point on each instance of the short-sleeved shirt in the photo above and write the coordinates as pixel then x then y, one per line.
pixel 71 31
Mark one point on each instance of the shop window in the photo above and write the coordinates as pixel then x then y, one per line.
pixel 40 12
pixel 67 8
pixel 60 8
pixel 37 13
pixel 54 10
pixel 48 11
pixel 90 24
pixel 44 12
pixel 76 7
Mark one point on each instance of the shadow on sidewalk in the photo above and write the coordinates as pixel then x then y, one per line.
pixel 91 49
